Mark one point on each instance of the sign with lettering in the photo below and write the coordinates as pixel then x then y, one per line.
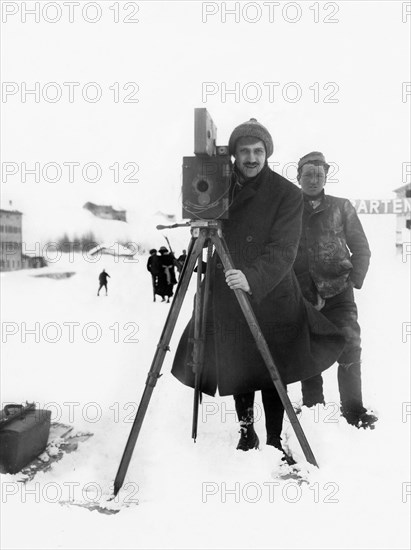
pixel 382 206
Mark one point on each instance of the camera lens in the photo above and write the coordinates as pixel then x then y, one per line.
pixel 204 199
pixel 202 186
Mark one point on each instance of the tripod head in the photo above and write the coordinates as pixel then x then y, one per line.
pixel 160 227
pixel 196 226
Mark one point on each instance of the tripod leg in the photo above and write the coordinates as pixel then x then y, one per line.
pixel 262 346
pixel 198 314
pixel 199 334
pixel 194 250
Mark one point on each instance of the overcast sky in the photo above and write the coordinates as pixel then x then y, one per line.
pixel 349 74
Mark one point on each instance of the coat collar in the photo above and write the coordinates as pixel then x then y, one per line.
pixel 325 203
pixel 249 188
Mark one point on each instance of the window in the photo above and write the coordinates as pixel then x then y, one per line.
pixel 408 193
pixel 408 224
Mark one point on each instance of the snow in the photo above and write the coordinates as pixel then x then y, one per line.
pixel 207 494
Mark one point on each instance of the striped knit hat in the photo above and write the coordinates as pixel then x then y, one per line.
pixel 251 128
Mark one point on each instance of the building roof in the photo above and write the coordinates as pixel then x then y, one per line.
pixel 403 187
pixel 10 211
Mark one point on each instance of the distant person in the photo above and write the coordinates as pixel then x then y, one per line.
pixel 154 267
pixel 180 261
pixel 182 258
pixel 333 259
pixel 166 277
pixel 103 281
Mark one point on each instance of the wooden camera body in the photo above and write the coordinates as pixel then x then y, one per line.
pixel 207 175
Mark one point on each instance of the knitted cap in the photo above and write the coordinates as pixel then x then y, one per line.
pixel 163 249
pixel 251 128
pixel 315 156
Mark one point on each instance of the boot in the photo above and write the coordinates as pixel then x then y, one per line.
pixel 275 441
pixel 360 419
pixel 249 438
pixel 244 406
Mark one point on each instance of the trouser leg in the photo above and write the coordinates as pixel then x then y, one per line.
pixel 349 383
pixel 274 414
pixel 342 311
pixel 312 390
pixel 244 406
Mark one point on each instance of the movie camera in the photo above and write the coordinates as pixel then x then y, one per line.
pixel 207 175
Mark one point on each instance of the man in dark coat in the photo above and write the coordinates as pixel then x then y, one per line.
pixel 154 267
pixel 262 235
pixel 102 278
pixel 166 278
pixel 333 258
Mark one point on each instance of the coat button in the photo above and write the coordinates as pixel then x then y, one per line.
pixel 249 238
pixel 219 266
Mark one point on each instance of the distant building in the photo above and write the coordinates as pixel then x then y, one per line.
pixel 33 262
pixel 11 240
pixel 403 233
pixel 115 249
pixel 106 212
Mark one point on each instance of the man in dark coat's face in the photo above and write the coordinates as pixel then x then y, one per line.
pixel 250 156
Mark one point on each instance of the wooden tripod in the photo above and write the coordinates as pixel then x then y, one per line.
pixel 204 232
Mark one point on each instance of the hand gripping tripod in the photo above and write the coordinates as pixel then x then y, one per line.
pixel 204 233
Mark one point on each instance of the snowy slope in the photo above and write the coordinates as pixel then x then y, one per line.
pixel 183 489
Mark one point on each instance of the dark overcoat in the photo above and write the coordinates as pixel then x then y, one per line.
pixel 166 276
pixel 262 235
pixel 103 278
pixel 154 265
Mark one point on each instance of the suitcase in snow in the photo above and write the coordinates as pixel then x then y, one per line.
pixel 24 431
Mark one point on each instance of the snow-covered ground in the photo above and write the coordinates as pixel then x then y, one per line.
pixel 207 494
